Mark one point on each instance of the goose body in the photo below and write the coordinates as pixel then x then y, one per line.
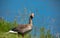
pixel 23 28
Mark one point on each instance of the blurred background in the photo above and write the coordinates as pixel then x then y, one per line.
pixel 46 22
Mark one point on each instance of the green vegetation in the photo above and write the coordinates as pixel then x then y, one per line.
pixel 6 26
pixel 42 30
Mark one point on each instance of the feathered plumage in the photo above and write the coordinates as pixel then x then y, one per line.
pixel 24 28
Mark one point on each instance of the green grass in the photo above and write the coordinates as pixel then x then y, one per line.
pixel 10 35
pixel 5 35
pixel 6 26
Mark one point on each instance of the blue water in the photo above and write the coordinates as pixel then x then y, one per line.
pixel 47 12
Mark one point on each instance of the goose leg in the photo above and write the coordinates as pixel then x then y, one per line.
pixel 18 35
pixel 22 35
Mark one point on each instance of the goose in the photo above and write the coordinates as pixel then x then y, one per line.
pixel 23 28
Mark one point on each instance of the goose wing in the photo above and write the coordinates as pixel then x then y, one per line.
pixel 22 28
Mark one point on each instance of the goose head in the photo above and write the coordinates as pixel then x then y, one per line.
pixel 32 15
